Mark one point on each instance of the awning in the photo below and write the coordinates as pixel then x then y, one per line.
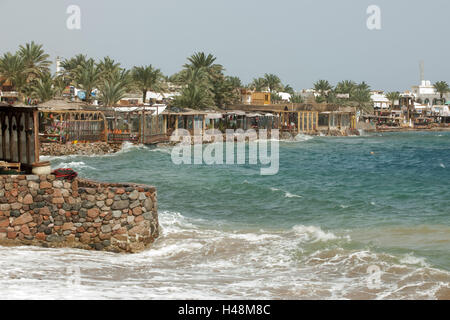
pixel 214 116
pixel 253 115
pixel 237 112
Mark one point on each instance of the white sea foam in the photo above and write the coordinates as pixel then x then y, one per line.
pixel 303 137
pixel 76 165
pixel 442 165
pixel 291 195
pixel 313 234
pixel 411 259
pixel 286 193
pixel 197 260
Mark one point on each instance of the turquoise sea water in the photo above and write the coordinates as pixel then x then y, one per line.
pixel 339 207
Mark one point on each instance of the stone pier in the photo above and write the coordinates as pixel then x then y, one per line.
pixel 45 211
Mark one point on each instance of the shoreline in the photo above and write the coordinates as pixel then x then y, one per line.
pixel 435 129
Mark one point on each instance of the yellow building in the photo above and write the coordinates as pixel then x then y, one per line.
pixel 255 98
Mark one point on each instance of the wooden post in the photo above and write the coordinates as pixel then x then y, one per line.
pixel 165 124
pixel 303 121
pixel 317 120
pixel 143 127
pixel 298 122
pixel 203 125
pixel 329 121
pixel 307 121
pixel 36 136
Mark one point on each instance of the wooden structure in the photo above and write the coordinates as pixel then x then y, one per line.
pixel 255 98
pixel 72 125
pixel 337 120
pixel 135 124
pixel 19 143
pixel 192 121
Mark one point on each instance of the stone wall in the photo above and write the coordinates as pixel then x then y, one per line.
pixel 45 211
pixel 93 148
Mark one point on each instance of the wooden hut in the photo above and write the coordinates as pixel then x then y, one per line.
pixel 19 143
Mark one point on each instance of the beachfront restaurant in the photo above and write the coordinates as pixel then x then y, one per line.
pixel 137 124
pixel 62 126
pixel 193 121
pixel 336 120
pixel 298 121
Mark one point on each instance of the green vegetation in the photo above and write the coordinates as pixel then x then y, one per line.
pixel 201 84
pixel 442 87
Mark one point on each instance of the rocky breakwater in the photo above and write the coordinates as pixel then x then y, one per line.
pixel 81 149
pixel 85 214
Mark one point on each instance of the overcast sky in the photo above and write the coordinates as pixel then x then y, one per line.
pixel 301 41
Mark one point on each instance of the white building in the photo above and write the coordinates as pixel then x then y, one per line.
pixel 379 100
pixel 426 93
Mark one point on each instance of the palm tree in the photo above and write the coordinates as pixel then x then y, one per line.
pixel 108 68
pixel 361 97
pixel 147 78
pixel 345 87
pixel 86 77
pixel 35 60
pixel 393 96
pixel 195 97
pixel 274 96
pixel 323 87
pixel 289 90
pixel 201 60
pixel 111 92
pixel 363 86
pixel 258 84
pixel 12 69
pixel 442 87
pixel 273 82
pixel 43 88
pixel 297 98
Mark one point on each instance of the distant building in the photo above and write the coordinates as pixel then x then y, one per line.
pixel 255 98
pixel 425 93
pixel 7 92
pixel 379 100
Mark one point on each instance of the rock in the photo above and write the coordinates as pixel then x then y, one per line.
pixel 93 213
pixel 87 204
pixel 58 184
pixel 120 191
pixel 67 226
pixel 45 185
pixel 148 204
pixel 40 236
pixel 137 211
pixel 16 206
pixel 133 195
pixel 32 178
pixel 28 199
pixel 147 216
pixel 142 196
pixel 54 238
pixel 4 223
pixel 25 218
pixel 117 214
pixel 120 205
pixel 15 213
pixel 25 230
pixel 12 235
pixel 135 204
pixel 45 211
pixel 106 228
pixel 58 200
